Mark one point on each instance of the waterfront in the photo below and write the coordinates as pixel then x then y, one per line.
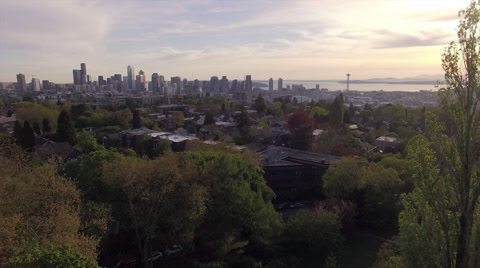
pixel 334 86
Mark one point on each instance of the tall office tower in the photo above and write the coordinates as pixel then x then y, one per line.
pixel 130 86
pixel 101 81
pixel 83 69
pixel 35 84
pixel 280 83
pixel 117 77
pixel 214 84
pixel 155 83
pixel 161 81
pixel 234 87
pixel 224 85
pixel 140 80
pixel 248 83
pixel 45 84
pixel 270 84
pixel 21 83
pixel 196 85
pixel 184 83
pixel 176 80
pixel 77 77
pixel 109 80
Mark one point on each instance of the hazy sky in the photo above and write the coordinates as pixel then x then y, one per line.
pixel 292 39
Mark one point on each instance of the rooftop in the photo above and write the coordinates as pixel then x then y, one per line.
pixel 282 156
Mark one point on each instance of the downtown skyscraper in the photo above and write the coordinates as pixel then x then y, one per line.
pixel 21 83
pixel 130 78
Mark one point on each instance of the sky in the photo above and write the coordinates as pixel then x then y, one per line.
pixel 301 39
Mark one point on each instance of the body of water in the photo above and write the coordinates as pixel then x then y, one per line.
pixel 334 86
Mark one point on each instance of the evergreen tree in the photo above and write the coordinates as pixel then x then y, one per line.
pixel 209 118
pixel 28 137
pixel 336 111
pixel 137 121
pixel 260 105
pixel 18 132
pixel 36 128
pixel 65 129
pixel 46 126
pixel 243 125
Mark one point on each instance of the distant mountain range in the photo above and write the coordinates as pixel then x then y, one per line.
pixel 423 79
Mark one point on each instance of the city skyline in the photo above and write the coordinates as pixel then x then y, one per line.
pixel 289 39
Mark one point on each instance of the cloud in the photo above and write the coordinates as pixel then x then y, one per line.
pixel 390 39
pixel 62 26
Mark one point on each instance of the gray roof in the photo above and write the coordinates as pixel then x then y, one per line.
pixel 282 156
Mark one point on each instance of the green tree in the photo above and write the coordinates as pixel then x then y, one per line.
pixel 336 111
pixel 314 232
pixel 440 224
pixel 136 121
pixel 163 202
pixel 240 201
pixel 28 137
pixel 18 132
pixel 46 126
pixel 36 202
pixel 260 105
pixel 209 118
pixel 319 114
pixel 63 256
pixel 36 128
pixel 65 129
pixel 87 142
pixel 243 122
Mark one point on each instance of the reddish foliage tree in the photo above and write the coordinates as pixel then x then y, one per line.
pixel 299 118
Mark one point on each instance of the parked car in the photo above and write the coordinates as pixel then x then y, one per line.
pixel 296 205
pixel 173 250
pixel 127 263
pixel 156 255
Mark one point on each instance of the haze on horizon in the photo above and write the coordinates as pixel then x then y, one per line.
pixel 302 39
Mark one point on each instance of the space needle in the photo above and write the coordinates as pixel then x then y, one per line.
pixel 348 81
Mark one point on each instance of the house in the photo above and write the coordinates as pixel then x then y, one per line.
pixel 61 151
pixel 385 142
pixel 294 173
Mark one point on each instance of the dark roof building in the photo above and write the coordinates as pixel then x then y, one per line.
pixel 295 174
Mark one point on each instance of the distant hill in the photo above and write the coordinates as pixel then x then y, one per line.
pixel 423 79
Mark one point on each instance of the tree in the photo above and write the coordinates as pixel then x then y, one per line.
pixel 164 203
pixel 37 202
pixel 243 122
pixel 260 104
pixel 36 128
pixel 240 201
pixel 63 256
pixel 28 137
pixel 179 118
pixel 136 121
pixel 440 224
pixel 46 126
pixel 87 142
pixel 314 232
pixel 336 111
pixel 65 129
pixel 319 114
pixel 18 132
pixel 209 118
pixel 300 124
